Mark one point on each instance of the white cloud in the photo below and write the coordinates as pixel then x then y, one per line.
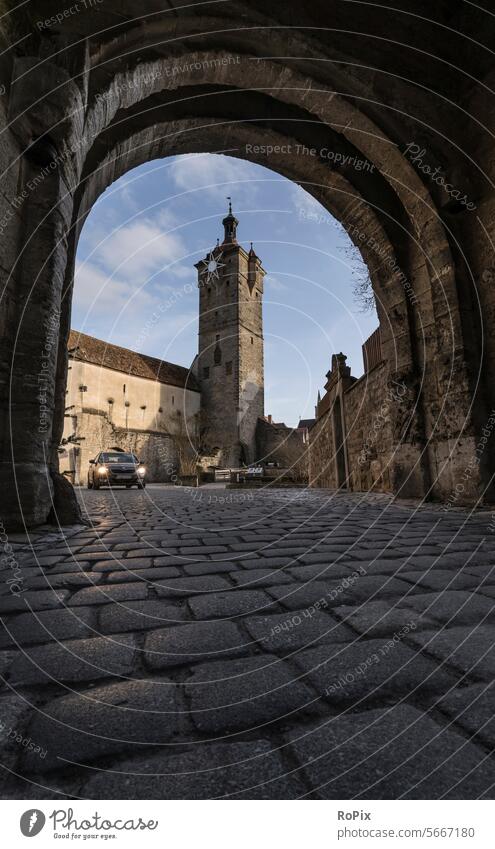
pixel 303 200
pixel 217 175
pixel 139 250
pixel 95 288
pixel 274 283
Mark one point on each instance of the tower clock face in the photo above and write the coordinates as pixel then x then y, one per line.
pixel 212 266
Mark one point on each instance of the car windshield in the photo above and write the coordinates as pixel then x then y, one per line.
pixel 117 458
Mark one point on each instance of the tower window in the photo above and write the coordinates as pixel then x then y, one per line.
pixel 217 355
pixel 173 400
pixel 206 372
pixel 228 367
pixel 252 341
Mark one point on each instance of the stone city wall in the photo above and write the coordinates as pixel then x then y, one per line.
pixel 277 443
pixel 156 450
pixel 367 410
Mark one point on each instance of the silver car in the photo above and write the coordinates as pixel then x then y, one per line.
pixel 116 468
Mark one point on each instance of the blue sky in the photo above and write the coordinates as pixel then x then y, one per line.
pixel 136 282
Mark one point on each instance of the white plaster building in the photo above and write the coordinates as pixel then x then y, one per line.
pixel 120 398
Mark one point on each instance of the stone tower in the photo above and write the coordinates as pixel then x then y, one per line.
pixel 230 356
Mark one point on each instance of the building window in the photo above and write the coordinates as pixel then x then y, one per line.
pixel 206 372
pixel 217 355
pixel 252 341
pixel 173 400
pixel 143 406
pixel 160 409
pixel 228 367
pixel 217 337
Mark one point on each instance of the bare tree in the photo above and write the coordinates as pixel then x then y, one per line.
pixel 185 437
pixel 362 286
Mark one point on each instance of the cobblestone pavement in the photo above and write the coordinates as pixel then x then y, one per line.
pixel 266 644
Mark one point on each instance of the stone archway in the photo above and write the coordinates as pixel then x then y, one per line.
pixel 85 106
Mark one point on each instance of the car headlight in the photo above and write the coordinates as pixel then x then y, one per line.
pixel 141 470
pixel 102 470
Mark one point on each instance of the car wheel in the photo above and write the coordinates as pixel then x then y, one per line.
pixel 141 485
pixel 128 486
pixel 90 485
pixel 96 484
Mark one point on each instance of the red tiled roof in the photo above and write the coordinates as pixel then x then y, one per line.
pixel 100 353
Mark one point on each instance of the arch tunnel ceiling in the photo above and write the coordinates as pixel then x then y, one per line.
pixel 403 56
pixel 215 105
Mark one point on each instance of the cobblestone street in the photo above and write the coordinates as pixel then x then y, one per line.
pixel 250 644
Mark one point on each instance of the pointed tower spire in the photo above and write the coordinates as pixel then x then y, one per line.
pixel 230 224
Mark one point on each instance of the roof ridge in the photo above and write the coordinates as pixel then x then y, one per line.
pixel 133 363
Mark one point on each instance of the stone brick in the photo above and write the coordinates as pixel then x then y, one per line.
pixel 325 571
pixel 296 597
pixel 441 579
pixel 381 618
pixel 392 753
pixel 47 625
pixel 245 694
pixel 33 600
pixel 74 661
pixel 233 603
pixel 138 616
pixel 149 575
pixel 105 720
pixel 470 649
pixel 14 717
pixel 64 579
pixel 120 565
pixel 371 669
pixel 454 607
pixel 213 771
pixel 108 593
pixel 209 568
pixel 192 643
pixel 288 631
pixel 471 708
pixel 177 587
pixel 256 578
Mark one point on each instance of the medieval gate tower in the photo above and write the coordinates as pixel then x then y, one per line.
pixel 230 357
